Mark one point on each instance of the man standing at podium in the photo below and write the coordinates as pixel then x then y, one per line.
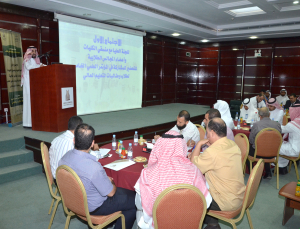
pixel 31 61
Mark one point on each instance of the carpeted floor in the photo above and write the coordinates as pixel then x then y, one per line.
pixel 113 121
pixel 25 204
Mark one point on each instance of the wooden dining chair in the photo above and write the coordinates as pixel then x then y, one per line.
pixel 201 130
pixel 243 143
pixel 179 206
pixel 294 160
pixel 74 200
pixel 267 144
pixel 47 168
pixel 248 201
pixel 284 120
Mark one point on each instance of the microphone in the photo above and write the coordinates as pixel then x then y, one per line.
pixel 45 54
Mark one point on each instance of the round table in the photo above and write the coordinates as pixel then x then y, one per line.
pixel 127 177
pixel 246 132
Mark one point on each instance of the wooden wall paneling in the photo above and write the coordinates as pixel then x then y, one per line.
pixel 287 60
pixel 288 51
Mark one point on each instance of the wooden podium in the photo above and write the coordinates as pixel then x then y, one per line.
pixel 46 97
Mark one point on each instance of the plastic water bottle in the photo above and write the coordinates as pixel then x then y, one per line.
pixel 114 143
pixel 273 119
pixel 129 152
pixel 255 117
pixel 120 147
pixel 239 124
pixel 136 138
pixel 251 125
pixel 237 116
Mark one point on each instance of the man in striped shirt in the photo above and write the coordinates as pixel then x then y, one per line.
pixel 62 144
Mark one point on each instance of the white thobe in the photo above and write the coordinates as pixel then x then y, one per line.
pixel 256 105
pixel 277 115
pixel 291 147
pixel 282 99
pixel 30 64
pixel 189 132
pixel 249 114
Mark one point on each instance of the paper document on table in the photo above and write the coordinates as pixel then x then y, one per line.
pixel 100 154
pixel 119 164
pixel 149 145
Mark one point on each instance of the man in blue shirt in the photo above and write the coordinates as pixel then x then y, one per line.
pixel 103 196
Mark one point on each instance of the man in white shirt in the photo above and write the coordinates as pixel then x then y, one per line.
pixel 291 144
pixel 63 143
pixel 30 61
pixel 276 111
pixel 282 98
pixel 257 101
pixel 248 112
pixel 185 127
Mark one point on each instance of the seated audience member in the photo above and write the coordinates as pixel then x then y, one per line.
pixel 265 98
pixel 291 131
pixel 103 196
pixel 214 113
pixel 222 167
pixel 62 144
pixel 167 166
pixel 276 111
pixel 282 98
pixel 293 100
pixel 268 94
pixel 247 111
pixel 185 127
pixel 257 101
pixel 265 122
pixel 223 107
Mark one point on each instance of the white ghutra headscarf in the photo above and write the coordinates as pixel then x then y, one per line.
pixel 223 107
pixel 248 115
pixel 282 99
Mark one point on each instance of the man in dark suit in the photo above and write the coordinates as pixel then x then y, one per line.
pixel 293 100
pixel 265 122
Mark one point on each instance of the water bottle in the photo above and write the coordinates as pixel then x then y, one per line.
pixel 251 125
pixel 136 138
pixel 237 116
pixel 273 119
pixel 129 152
pixel 239 124
pixel 120 147
pixel 114 143
pixel 255 117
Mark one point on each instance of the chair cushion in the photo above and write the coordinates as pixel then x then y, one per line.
pixel 227 214
pixel 99 219
pixel 272 160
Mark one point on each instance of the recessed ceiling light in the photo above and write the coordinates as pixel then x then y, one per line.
pixel 295 2
pixel 153 37
pixel 234 49
pixel 87 15
pixel 248 11
pixel 176 34
pixel 253 37
pixel 157 31
pixel 204 40
pixel 182 43
pixel 139 26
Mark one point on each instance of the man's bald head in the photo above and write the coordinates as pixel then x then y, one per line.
pixel 218 126
pixel 264 112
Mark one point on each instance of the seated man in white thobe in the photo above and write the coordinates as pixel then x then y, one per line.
pixel 224 109
pixel 257 101
pixel 248 112
pixel 30 61
pixel 282 98
pixel 276 111
pixel 185 127
pixel 290 146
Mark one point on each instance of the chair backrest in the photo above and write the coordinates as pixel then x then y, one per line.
pixel 284 120
pixel 72 191
pixel 46 163
pixel 179 206
pixel 267 143
pixel 201 130
pixel 253 183
pixel 243 143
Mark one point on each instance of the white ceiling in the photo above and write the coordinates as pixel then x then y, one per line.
pixel 193 19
